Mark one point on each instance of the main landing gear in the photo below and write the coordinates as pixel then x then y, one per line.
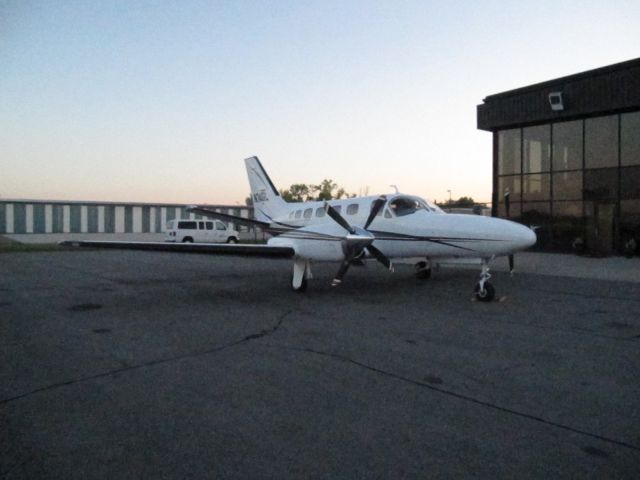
pixel 301 273
pixel 423 270
pixel 484 290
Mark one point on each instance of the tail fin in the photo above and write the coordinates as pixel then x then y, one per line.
pixel 267 202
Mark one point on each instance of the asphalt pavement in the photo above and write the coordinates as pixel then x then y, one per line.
pixel 151 365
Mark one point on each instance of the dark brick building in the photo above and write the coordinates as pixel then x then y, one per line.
pixel 566 157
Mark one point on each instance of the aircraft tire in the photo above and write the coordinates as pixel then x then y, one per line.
pixel 487 295
pixel 422 271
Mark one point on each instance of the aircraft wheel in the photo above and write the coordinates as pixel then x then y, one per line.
pixel 423 271
pixel 487 294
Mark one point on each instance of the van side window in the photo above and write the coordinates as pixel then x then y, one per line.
pixel 352 209
pixel 298 213
pixel 320 212
pixel 200 225
pixel 188 225
pixel 220 226
pixel 209 225
pixel 308 212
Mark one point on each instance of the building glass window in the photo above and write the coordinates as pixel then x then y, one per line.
pixel 567 186
pixel 514 210
pixel 630 183
pixel 509 158
pixel 630 210
pixel 537 149
pixel 601 142
pixel 601 184
pixel 567 209
pixel 630 138
pixel 567 145
pixel 535 210
pixel 511 184
pixel 535 187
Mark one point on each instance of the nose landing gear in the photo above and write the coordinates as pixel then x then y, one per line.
pixel 484 290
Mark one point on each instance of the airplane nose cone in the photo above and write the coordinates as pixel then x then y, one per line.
pixel 524 237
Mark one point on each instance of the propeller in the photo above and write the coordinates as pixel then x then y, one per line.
pixel 358 239
pixel 511 264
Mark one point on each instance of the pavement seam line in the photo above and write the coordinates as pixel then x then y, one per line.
pixel 255 336
pixel 467 398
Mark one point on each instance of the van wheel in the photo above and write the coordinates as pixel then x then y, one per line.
pixel 187 240
pixel 232 240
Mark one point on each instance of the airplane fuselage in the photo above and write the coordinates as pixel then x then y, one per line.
pixel 425 231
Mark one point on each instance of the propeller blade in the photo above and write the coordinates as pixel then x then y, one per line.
pixel 337 280
pixel 333 213
pixel 381 257
pixel 375 208
pixel 511 264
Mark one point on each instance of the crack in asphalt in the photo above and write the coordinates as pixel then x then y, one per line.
pixel 466 398
pixel 128 368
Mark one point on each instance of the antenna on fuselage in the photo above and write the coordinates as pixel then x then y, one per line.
pixel 395 187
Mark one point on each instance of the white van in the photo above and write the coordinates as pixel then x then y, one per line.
pixel 199 231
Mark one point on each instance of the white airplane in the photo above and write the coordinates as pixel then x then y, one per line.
pixel 398 227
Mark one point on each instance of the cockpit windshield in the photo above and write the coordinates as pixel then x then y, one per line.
pixel 406 205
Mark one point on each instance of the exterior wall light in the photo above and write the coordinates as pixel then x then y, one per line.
pixel 555 100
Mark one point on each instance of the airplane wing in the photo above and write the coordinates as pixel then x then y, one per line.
pixel 228 218
pixel 241 250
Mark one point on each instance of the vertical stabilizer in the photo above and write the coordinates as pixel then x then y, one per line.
pixel 267 202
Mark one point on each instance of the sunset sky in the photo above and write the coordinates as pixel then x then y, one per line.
pixel 161 101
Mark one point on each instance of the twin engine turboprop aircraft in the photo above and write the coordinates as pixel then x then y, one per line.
pixel 403 228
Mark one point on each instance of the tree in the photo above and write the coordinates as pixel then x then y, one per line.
pixel 326 190
pixel 462 202
pixel 298 192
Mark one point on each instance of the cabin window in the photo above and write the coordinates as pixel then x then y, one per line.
pixel 291 214
pixel 402 206
pixel 320 212
pixel 352 209
pixel 308 213
pixel 337 208
pixel 387 214
pixel 298 213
